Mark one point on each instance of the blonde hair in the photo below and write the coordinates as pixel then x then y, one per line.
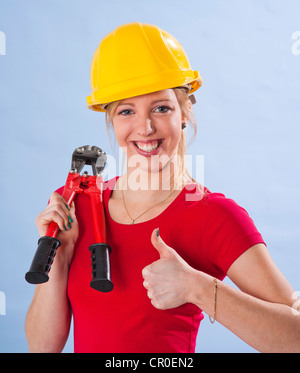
pixel 186 109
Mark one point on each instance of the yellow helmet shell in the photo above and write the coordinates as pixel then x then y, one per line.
pixel 137 59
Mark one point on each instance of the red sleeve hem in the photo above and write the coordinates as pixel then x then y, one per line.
pixel 240 246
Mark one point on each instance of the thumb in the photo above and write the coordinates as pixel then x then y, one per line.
pixel 163 249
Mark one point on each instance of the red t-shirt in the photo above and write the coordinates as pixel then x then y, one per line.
pixel 209 233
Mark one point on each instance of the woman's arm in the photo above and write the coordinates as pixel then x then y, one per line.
pixel 261 314
pixel 48 319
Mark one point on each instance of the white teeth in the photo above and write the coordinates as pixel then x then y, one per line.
pixel 149 147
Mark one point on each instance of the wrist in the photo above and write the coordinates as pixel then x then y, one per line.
pixel 202 289
pixel 61 263
pixel 65 251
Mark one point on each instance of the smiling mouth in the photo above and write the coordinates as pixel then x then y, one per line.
pixel 148 146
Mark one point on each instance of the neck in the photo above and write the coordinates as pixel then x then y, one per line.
pixel 163 179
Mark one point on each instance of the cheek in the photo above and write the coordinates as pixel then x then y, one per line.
pixel 174 131
pixel 120 132
pixel 176 122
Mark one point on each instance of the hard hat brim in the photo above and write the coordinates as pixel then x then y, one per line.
pixel 143 85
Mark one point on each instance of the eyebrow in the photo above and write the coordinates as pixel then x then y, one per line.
pixel 153 102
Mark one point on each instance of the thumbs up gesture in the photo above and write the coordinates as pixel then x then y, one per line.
pixel 169 280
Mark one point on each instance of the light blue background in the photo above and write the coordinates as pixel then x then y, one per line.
pixel 248 121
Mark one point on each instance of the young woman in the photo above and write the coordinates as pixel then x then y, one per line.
pixel 173 240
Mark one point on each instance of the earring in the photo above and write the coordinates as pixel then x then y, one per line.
pixel 183 126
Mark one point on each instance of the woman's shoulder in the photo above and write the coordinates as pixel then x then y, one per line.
pixel 109 184
pixel 213 203
pixel 60 190
pixel 195 192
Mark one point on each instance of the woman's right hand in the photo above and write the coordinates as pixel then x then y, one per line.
pixel 65 218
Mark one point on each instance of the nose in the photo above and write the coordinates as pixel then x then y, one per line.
pixel 145 127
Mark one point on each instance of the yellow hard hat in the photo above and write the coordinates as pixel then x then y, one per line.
pixel 135 59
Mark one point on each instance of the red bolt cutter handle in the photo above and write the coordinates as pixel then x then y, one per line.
pixel 93 187
pixel 72 187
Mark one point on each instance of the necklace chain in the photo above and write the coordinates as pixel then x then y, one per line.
pixel 133 220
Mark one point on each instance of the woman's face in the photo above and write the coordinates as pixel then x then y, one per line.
pixel 149 125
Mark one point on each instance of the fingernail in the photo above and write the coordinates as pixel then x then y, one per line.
pixel 70 219
pixel 157 232
pixel 69 225
pixel 67 206
pixel 65 228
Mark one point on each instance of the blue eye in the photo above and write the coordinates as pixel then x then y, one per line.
pixel 125 112
pixel 162 109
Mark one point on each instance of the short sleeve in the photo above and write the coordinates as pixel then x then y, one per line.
pixel 228 231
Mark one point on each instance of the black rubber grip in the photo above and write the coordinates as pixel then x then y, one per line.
pixel 101 278
pixel 42 261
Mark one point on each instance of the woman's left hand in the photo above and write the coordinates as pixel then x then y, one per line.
pixel 169 280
